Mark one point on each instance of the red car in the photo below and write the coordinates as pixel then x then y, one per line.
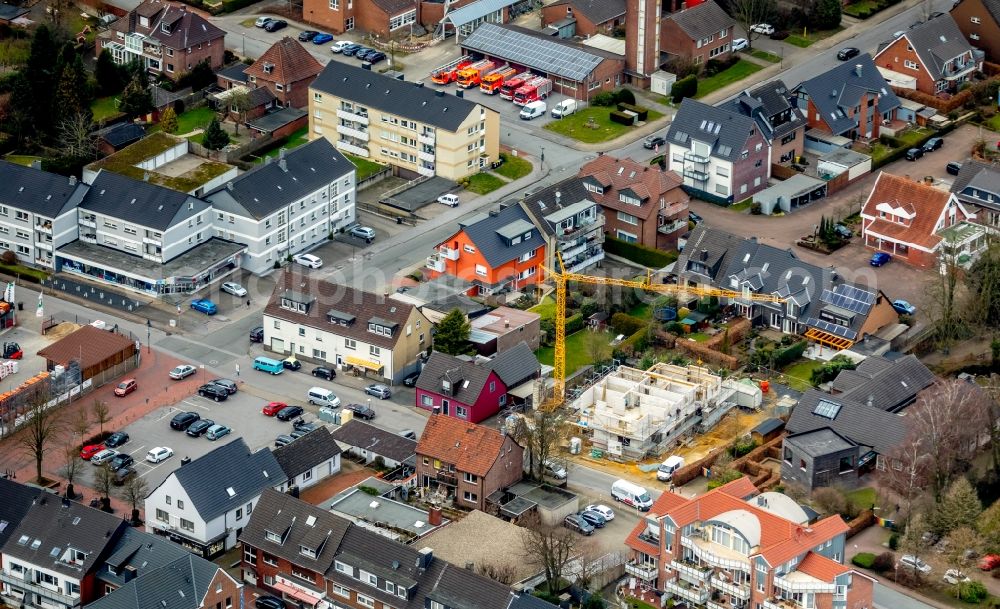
pixel 273 408
pixel 989 562
pixel 126 387
pixel 90 450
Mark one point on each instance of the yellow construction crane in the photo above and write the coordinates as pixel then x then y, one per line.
pixel 562 278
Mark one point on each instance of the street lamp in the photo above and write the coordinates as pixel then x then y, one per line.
pixel 149 326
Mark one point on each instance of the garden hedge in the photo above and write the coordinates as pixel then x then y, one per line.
pixel 622 118
pixel 623 323
pixel 638 253
pixel 789 354
pixel 574 323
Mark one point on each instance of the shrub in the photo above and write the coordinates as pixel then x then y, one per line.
pixel 886 561
pixel 829 371
pixel 740 448
pixel 642 113
pixel 972 592
pixel 685 87
pixel 829 500
pixel 756 209
pixel 8 257
pixel 605 98
pixel 623 323
pixel 639 253
pixel 865 560
pixel 574 323
pixel 624 96
pixel 894 543
pixel 621 118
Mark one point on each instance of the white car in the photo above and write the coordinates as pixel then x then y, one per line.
pixel 912 562
pixel 338 47
pixel 762 28
pixel 954 576
pixel 313 262
pixel 182 372
pixel 450 200
pixel 160 453
pixel 231 287
pixel 103 457
pixel 740 43
pixel 603 510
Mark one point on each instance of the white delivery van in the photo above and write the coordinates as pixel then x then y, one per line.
pixel 631 494
pixel 667 468
pixel 323 397
pixel 564 108
pixel 532 110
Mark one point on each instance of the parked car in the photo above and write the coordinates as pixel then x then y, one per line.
pixel 451 200
pixel 90 450
pixel 842 231
pixel 183 420
pixel 273 408
pixel 954 576
pixel 953 168
pixel 275 24
pixel 652 141
pixel 257 335
pixel 297 433
pixel 204 305
pixel 378 390
pixel 213 392
pixel 912 562
pixel 879 259
pixel 126 387
pixel 363 232
pixel 199 427
pixel 324 373
pixel 578 524
pixel 123 475
pixel 289 412
pixel 269 602
pixel 116 439
pixel 361 411
pixel 848 53
pixel 555 469
pixel 283 440
pixel 603 510
pixel 933 144
pixel 410 380
pixel 307 35
pixel 322 38
pixel 182 372
pixel 914 153
pixel 409 433
pixel 739 44
pixel 304 426
pixel 903 307
pixel 231 287
pixel 104 456
pixel 120 460
pixel 989 562
pixel 363 52
pixel 217 431
pixel 262 21
pixel 762 28
pixel 228 385
pixel 375 57
pixel 340 45
pixel 291 364
pixel 594 519
pixel 898 33
pixel 313 262
pixel 158 454
pixel 350 48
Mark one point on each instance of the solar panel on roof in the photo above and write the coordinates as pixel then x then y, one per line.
pixel 542 55
pixel 856 293
pixel 832 328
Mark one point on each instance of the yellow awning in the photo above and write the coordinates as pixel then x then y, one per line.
pixel 363 363
pixel 828 339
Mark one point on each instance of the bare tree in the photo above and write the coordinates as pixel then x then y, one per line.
pixel 502 572
pixel 104 480
pixel 992 414
pixel 240 104
pixel 102 414
pixel 947 300
pixel 540 432
pixel 914 541
pixel 41 426
pixel 906 471
pixel 72 467
pixel 80 424
pixel 134 492
pixel 964 543
pixel 75 137
pixel 748 13
pixel 549 548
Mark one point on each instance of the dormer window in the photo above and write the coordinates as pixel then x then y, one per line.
pixel 594 188
pixel 144 21
pixel 307 551
pixel 272 536
pixel 165 28
pixel 339 317
pixel 445 387
pixel 380 330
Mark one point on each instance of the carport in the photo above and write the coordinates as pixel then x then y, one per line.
pixel 464 20
pixel 102 354
pixel 790 194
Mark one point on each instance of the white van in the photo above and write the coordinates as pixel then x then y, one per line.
pixel 323 397
pixel 631 494
pixel 533 110
pixel 667 468
pixel 564 108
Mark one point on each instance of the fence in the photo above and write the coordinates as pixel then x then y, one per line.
pixel 864 520
pixel 374 178
pixel 235 152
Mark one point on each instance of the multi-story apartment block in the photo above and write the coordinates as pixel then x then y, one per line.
pixel 420 131
pixel 781 122
pixel 934 54
pixel 167 39
pixel 732 548
pixel 700 33
pixel 721 155
pixel 334 324
pixel 286 206
pixel 571 223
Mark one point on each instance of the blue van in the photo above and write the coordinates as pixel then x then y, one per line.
pixel 267 364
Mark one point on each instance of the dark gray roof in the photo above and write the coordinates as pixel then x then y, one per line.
pixel 122 134
pixel 978 183
pixel 401 98
pixel 703 20
pixel 9 12
pixel 235 72
pixel 139 202
pixel 726 132
pixel 542 202
pixel 770 106
pixel 840 88
pixel 937 41
pixel 862 424
pixel 596 11
pixel 17 500
pixel 275 120
pixel 537 51
pixel 993 6
pixel 138 553
pixel 819 442
pixel 180 584
pixel 483 230
pixel 359 434
pixel 207 479
pixel 261 96
pixel 891 384
pixel 768 425
pixel 515 365
pixel 706 253
pixel 267 188
pixel 37 191
pixel 162 97
pixel 307 452
pixel 51 527
pixel 467 377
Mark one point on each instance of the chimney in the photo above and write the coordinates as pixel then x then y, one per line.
pixel 470 566
pixel 229 185
pixel 704 254
pixel 426 557
pixel 281 152
pixel 506 323
pixel 145 176
pixel 65 502
pixel 857 69
pixel 72 180
pixel 434 516
pixel 129 573
pixel 283 164
pixel 459 93
pixel 436 410
pixel 366 66
pixel 420 85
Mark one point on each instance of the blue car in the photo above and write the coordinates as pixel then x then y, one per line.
pixel 880 258
pixel 363 52
pixel 375 57
pixel 205 306
pixel 903 307
pixel 351 49
pixel 321 38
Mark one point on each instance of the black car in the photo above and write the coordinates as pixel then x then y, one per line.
pixel 269 602
pixel 952 168
pixel 213 391
pixel 257 335
pixel 324 373
pixel 933 144
pixel 116 439
pixel 119 461
pixel 228 385
pixel 274 25
pixel 183 420
pixel 351 49
pixel 375 57
pixel 914 153
pixel 848 53
pixel 653 141
pixel 576 523
pixel 303 426
pixel 283 440
pixel 123 475
pixel 363 52
pixel 362 411
pixel 289 412
pixel 199 427
pixel 411 379
pixel 595 519
pixel 307 35
pixel 291 364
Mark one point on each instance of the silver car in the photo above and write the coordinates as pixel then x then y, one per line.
pixel 231 287
pixel 363 232
pixel 103 457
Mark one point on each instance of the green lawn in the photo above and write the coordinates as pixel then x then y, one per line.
pixel 482 183
pixel 993 124
pixel 698 336
pixel 743 205
pixel 862 497
pixel 863 6
pixel 199 118
pixel 799 41
pixel 879 151
pixel 634 603
pixel 296 139
pixel 18 269
pixel 807 38
pixel 643 311
pixel 800 372
pixel 577 350
pixel 104 108
pixel 366 168
pixel 911 136
pixel 577 127
pixel 513 167
pixel 765 55
pixel 22 159
pixel 546 308
pixel 736 72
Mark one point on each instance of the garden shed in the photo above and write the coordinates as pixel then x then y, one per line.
pixel 102 354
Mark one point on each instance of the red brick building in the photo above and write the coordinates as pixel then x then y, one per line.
pixel 642 23
pixel 935 53
pixel 382 17
pixel 701 33
pixel 979 21
pixel 286 70
pixel 592 16
pixel 466 461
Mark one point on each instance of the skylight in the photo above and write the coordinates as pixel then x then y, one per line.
pixel 827 409
pixel 232 493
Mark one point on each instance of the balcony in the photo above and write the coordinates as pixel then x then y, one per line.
pixel 781 603
pixel 352 132
pixel 426 138
pixel 447 478
pixel 672 227
pixel 741 592
pixel 90 221
pixel 716 555
pixel 576 267
pixel 954 72
pixel 691 157
pixel 425 171
pixel 448 253
pixel 152 241
pixel 643 570
pixel 693 594
pixel 348 115
pixel 425 156
pixel 43 245
pixel 694 174
pixel 573 251
pixel 698 573
pixel 712 605
pixel 800 582
pixel 88 238
pixel 45 227
pixel 436 263
pixel 355 150
pixel 25 583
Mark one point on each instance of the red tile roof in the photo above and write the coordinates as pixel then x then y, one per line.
pixel 90 346
pixel 290 60
pixel 471 448
pixel 821 567
pixel 645 181
pixel 926 205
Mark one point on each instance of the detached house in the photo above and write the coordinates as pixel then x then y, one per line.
pixel 934 54
pixel 720 155
pixel 977 186
pixel 701 33
pixel 782 124
pixel 917 223
pixel 334 324
pixel 744 550
pixel 466 462
pixel 286 69
pixel 166 39
pixel 979 21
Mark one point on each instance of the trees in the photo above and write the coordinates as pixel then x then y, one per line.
pixel 109 76
pixel 963 544
pixel 102 414
pixel 168 120
pixel 72 92
pixel 499 571
pixel 71 468
pixel 748 13
pixel 829 500
pixel 958 508
pixel 134 492
pixel 825 14
pixel 988 526
pixel 550 548
pixel 452 336
pixel 104 480
pixel 539 432
pixel 136 100
pixel 41 73
pixel 41 426
pixel 80 423
pixel 947 305
pixel 597 347
pixel 74 136
pixel 914 540
pixel 215 138
pixel 984 286
pixel 240 103
pixel 907 470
